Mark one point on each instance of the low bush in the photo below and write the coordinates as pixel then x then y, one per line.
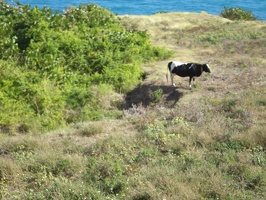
pixel 237 14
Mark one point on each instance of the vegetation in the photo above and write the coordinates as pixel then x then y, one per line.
pixel 207 142
pixel 56 68
pixel 237 14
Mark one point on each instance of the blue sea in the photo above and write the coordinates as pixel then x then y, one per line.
pixel 147 7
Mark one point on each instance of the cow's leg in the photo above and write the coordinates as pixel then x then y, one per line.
pixel 190 78
pixel 172 79
pixel 193 81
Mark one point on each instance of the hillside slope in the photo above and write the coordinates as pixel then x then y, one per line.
pixel 235 65
pixel 207 142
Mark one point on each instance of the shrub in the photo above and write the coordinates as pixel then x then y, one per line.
pixel 237 14
pixel 50 64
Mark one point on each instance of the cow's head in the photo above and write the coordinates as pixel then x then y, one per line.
pixel 206 68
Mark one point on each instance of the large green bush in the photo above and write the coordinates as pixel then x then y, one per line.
pixel 50 63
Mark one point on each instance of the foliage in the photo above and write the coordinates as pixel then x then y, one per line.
pixel 51 62
pixel 237 14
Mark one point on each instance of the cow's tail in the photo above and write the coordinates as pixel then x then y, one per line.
pixel 167 74
pixel 167 71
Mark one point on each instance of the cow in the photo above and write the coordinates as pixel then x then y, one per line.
pixel 186 69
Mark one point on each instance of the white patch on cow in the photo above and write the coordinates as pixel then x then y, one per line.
pixel 175 64
pixel 191 66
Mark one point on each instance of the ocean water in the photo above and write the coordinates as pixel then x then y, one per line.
pixel 147 7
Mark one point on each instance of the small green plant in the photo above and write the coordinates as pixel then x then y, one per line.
pixel 258 157
pixel 157 96
pixel 156 132
pixel 237 14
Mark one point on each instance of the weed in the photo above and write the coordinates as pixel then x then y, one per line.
pixel 228 145
pixel 157 96
pixel 156 133
pixel 258 157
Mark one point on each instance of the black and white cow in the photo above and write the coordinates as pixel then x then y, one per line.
pixel 186 69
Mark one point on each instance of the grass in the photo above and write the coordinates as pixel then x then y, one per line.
pixel 174 143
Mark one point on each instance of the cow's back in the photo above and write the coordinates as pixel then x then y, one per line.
pixel 181 70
